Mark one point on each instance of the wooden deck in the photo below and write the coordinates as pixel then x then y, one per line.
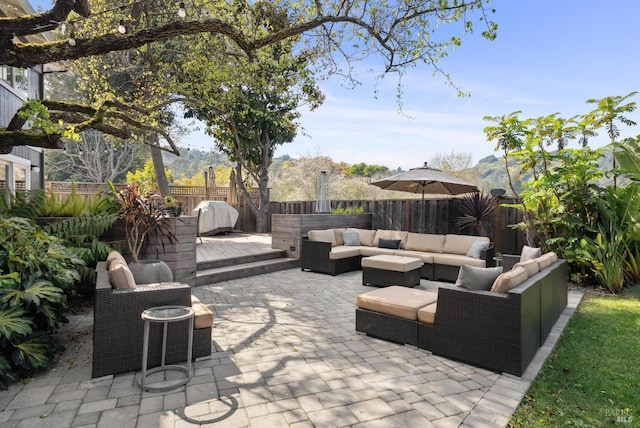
pixel 238 255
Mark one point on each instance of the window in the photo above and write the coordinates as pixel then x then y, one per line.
pixel 20 177
pixel 4 175
pixel 15 174
pixel 17 78
pixel 21 82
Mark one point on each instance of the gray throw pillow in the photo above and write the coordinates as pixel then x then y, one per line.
pixel 476 248
pixel 350 238
pixel 477 278
pixel 393 244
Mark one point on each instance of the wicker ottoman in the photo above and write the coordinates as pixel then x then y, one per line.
pixel 384 270
pixel 390 313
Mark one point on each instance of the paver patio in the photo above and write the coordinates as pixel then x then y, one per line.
pixel 287 355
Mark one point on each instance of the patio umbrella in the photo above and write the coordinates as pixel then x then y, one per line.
pixel 424 180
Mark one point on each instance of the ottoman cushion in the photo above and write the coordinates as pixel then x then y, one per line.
pixel 395 300
pixel 392 262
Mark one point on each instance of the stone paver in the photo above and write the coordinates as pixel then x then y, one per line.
pixel 287 356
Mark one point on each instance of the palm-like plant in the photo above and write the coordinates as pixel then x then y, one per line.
pixel 477 210
pixel 145 217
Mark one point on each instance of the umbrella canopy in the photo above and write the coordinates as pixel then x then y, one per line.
pixel 424 180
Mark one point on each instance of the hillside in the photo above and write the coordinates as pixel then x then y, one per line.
pixel 489 173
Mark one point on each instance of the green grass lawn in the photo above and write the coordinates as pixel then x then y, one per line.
pixel 593 376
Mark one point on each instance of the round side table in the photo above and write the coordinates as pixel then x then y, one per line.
pixel 165 315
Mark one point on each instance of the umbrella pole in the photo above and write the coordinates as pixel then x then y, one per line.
pixel 422 214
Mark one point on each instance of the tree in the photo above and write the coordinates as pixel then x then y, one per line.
pixel 402 34
pixel 609 111
pixel 94 158
pixel 250 107
pixel 364 170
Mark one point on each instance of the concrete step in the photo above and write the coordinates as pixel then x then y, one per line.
pixel 238 260
pixel 243 270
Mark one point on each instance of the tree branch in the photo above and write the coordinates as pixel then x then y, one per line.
pixel 9 139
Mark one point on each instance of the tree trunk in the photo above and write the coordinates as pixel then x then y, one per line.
pixel 158 166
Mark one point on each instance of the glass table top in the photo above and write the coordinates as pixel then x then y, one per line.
pixel 168 313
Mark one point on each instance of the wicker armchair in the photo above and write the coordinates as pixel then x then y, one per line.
pixel 118 328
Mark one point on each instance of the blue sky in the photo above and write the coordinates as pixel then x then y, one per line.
pixel 550 56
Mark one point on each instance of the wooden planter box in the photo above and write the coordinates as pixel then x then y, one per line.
pixel 287 230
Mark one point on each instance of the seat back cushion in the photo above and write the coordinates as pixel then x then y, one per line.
pixel 114 256
pixel 338 236
pixel 322 236
pixel 426 242
pixel 477 278
pixel 393 235
pixel 530 253
pixel 510 279
pixel 546 260
pixel 460 244
pixel 366 237
pixel 531 266
pixel 120 276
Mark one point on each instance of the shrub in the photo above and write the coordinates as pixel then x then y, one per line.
pixel 348 210
pixel 37 276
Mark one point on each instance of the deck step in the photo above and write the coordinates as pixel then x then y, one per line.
pixel 243 270
pixel 239 260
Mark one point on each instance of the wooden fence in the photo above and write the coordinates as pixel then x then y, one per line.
pixel 436 216
pixel 190 196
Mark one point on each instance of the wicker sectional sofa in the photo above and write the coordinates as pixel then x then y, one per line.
pixel 118 327
pixel 324 251
pixel 501 331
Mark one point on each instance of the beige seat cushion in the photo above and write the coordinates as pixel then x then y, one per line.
pixel 395 300
pixel 531 266
pixel 391 262
pixel 344 252
pixel 204 316
pixel 457 260
pixel 424 242
pixel 366 237
pixel 509 280
pixel 322 236
pixel 115 256
pixel 427 314
pixel 120 276
pixel 375 251
pixel 400 235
